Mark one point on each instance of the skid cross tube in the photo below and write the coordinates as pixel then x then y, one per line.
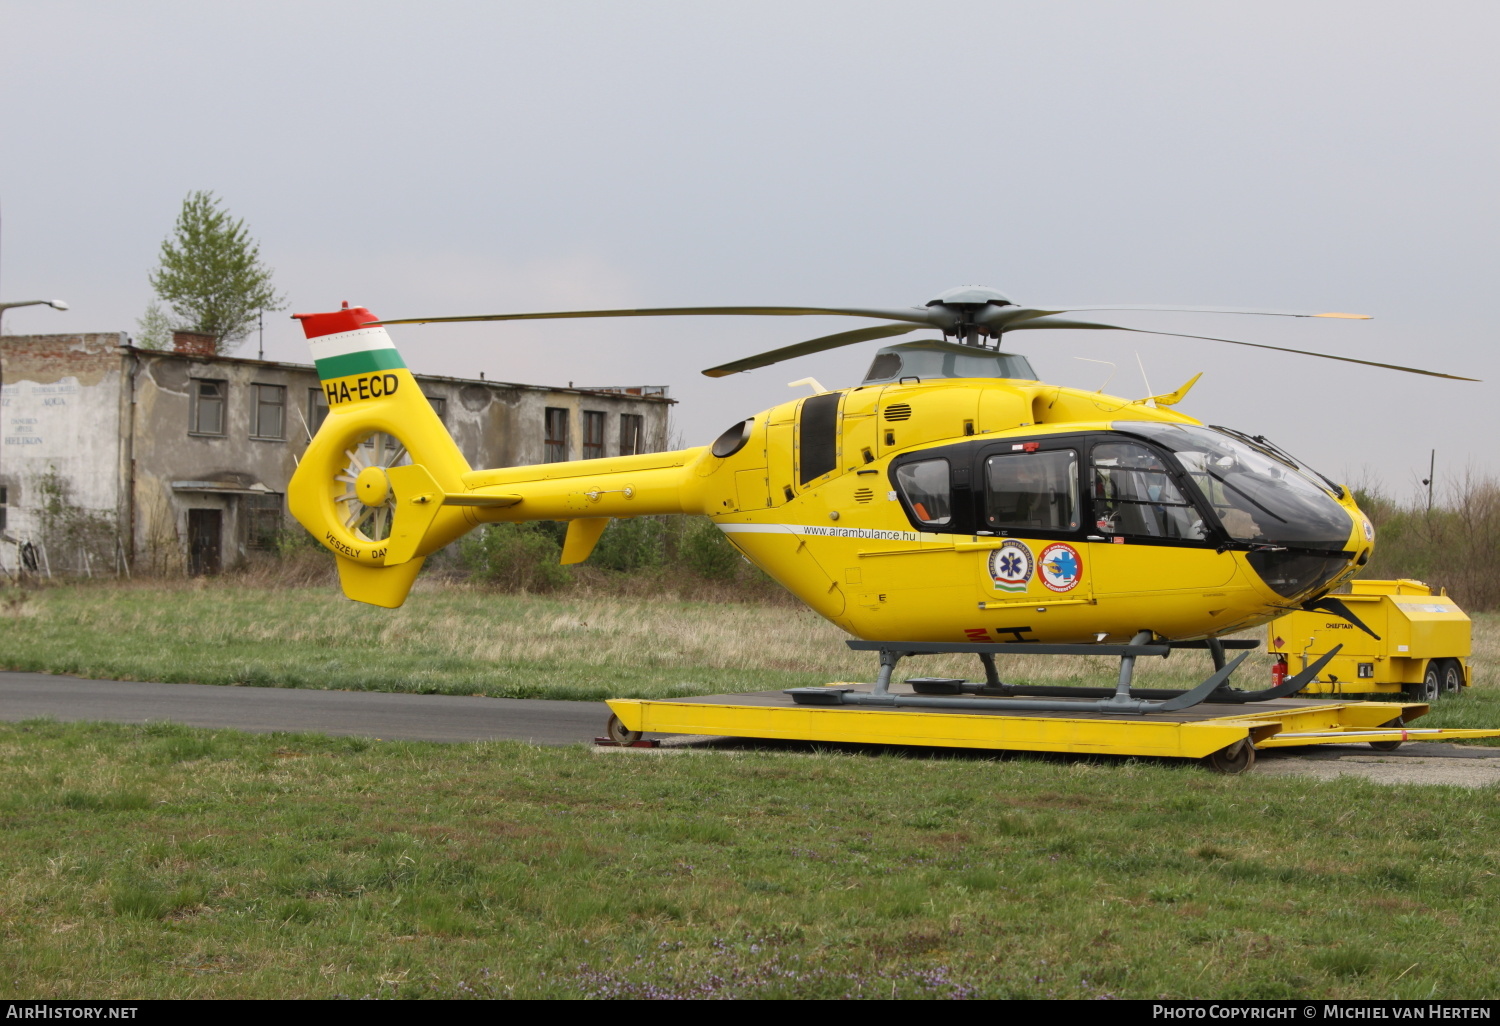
pixel 1119 700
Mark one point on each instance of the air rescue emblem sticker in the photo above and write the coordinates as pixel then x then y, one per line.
pixel 1061 567
pixel 1010 566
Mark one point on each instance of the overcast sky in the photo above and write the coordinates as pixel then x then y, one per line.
pixel 463 157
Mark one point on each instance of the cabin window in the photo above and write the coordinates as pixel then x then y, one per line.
pixel 269 413
pixel 555 443
pixel 1032 491
pixel 818 433
pixel 632 434
pixel 208 407
pixel 884 367
pixel 1134 494
pixel 928 489
pixel 593 435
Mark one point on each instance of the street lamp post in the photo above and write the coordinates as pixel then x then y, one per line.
pixel 56 304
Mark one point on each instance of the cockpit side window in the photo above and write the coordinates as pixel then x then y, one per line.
pixel 1032 491
pixel 1135 496
pixel 928 489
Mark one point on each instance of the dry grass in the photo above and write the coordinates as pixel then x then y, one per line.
pixel 457 638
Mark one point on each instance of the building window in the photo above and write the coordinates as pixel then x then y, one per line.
pixel 270 412
pixel 593 435
pixel 4 507
pixel 632 434
pixel 439 406
pixel 208 407
pixel 555 449
pixel 317 409
pixel 263 520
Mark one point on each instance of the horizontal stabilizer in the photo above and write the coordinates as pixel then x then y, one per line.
pixel 482 501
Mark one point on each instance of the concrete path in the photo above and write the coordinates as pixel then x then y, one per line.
pixel 26 696
pixel 1429 762
pixel 378 714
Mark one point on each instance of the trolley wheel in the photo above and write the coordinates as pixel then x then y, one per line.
pixel 1237 758
pixel 1431 688
pixel 616 732
pixel 1452 676
pixel 1389 746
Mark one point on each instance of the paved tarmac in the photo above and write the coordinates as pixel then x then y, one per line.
pixel 25 696
pixel 380 714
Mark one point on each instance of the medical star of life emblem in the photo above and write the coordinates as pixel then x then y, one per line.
pixel 1061 566
pixel 1010 566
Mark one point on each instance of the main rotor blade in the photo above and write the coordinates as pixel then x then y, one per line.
pixel 915 315
pixel 1062 323
pixel 1007 318
pixel 1219 310
pixel 817 345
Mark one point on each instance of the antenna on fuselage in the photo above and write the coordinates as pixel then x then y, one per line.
pixel 1150 396
pixel 1111 366
pixel 812 383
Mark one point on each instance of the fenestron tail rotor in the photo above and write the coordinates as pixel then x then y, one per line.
pixel 368 505
pixel 971 314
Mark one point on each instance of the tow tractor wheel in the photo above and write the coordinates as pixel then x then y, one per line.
pixel 1431 688
pixel 617 732
pixel 1452 677
pixel 1389 746
pixel 1237 758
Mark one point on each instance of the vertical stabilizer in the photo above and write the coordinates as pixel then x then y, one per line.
pixel 378 422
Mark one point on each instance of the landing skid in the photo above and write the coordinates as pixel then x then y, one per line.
pixel 942 693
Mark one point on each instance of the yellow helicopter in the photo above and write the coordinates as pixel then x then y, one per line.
pixel 950 502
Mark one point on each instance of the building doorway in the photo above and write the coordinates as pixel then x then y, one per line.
pixel 205 529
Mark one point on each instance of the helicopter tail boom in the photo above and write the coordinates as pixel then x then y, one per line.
pixel 383 485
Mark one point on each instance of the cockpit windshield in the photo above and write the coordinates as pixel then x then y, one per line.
pixel 1259 499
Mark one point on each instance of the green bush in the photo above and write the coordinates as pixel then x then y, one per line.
pixel 702 549
pixel 513 557
pixel 635 544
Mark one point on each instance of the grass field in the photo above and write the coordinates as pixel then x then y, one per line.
pixel 453 639
pixel 163 861
pixel 169 862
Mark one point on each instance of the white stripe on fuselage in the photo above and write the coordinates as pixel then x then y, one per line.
pixel 820 531
pixel 360 340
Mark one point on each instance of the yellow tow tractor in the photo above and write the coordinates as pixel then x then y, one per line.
pixel 1416 641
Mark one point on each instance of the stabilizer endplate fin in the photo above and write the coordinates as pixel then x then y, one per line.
pixel 377 585
pixel 583 535
pixel 418 499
